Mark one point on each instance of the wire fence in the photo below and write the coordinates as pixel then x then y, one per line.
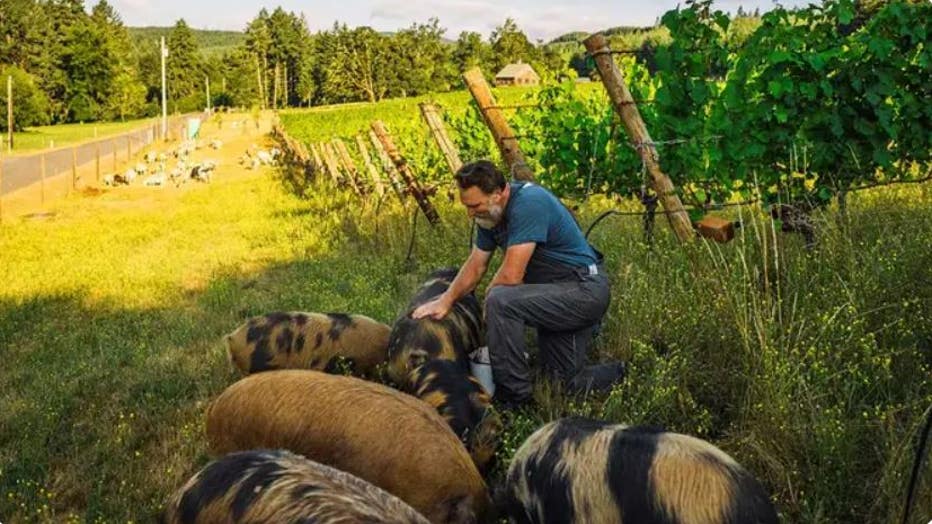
pixel 103 155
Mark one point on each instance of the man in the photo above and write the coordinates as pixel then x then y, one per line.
pixel 550 279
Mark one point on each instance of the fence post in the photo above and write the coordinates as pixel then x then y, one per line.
pixel 373 172
pixel 42 171
pixel 405 172
pixel 501 131
pixel 348 164
pixel 74 168
pixel 327 153
pixel 438 131
pixel 624 104
pixel 388 167
pixel 316 155
pixel 97 157
pixel 113 149
pixel 129 148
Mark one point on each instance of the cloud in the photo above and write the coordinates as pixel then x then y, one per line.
pixel 537 22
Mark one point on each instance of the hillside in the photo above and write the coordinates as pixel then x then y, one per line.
pixel 209 41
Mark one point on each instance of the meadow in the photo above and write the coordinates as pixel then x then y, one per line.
pixel 810 366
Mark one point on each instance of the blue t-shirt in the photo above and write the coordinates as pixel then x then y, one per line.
pixel 534 214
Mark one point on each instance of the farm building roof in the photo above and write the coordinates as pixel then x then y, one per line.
pixel 516 70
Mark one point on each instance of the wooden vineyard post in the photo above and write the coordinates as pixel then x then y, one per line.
pixel 495 120
pixel 351 173
pixel 331 162
pixel 388 166
pixel 438 131
pixel 316 155
pixel 625 106
pixel 370 168
pixel 402 166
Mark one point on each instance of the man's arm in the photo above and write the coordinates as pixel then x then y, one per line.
pixel 466 280
pixel 511 272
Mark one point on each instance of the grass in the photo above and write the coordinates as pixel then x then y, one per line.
pixel 811 367
pixel 44 137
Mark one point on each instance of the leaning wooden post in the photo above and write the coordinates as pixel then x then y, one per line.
pixel 388 167
pixel 405 172
pixel 331 162
pixel 439 132
pixel 351 172
pixel 373 172
pixel 315 154
pixel 624 104
pixel 501 131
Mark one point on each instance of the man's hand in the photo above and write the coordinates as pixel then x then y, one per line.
pixel 435 309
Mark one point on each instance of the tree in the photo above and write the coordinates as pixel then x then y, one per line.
pixel 259 42
pixel 510 45
pixel 86 62
pixel 470 51
pixel 184 70
pixel 30 105
pixel 357 64
pixel 126 93
pixel 420 61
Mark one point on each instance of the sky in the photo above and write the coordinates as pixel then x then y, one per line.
pixel 539 19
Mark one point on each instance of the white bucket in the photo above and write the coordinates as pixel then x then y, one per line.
pixel 481 367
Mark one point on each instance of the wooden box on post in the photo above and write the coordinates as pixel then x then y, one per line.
pixel 715 228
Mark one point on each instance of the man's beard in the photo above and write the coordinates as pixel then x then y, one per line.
pixel 493 218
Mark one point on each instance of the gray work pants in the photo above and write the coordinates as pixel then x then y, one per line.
pixel 564 314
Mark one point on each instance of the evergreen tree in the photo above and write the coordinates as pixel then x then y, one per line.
pixel 184 70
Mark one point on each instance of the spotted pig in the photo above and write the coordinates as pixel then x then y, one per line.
pixel 320 341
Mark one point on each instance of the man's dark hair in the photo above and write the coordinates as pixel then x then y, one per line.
pixel 482 174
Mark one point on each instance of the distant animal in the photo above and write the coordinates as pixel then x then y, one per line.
pixel 415 341
pixel 583 470
pixel 461 400
pixel 157 179
pixel 321 341
pixel 129 175
pixel 279 486
pixel 381 435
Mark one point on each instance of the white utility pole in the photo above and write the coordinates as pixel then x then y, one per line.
pixel 164 54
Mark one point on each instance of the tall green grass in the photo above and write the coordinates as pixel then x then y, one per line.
pixel 811 367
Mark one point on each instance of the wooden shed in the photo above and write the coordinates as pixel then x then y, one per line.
pixel 519 74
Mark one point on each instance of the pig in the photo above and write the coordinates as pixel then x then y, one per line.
pixel 377 433
pixel 278 486
pixel 319 341
pixel 413 342
pixel 583 470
